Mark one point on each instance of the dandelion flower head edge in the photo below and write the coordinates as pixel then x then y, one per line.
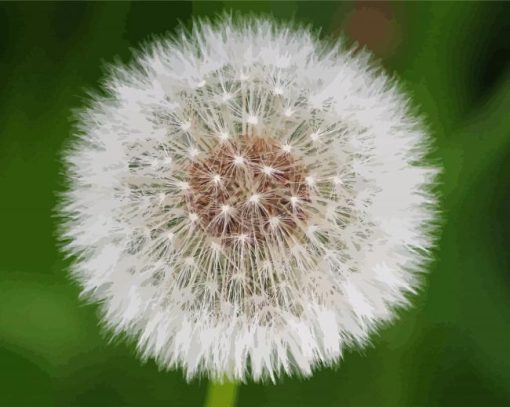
pixel 246 202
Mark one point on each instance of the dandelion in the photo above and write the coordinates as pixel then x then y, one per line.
pixel 247 202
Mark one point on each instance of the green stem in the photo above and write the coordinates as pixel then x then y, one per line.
pixel 221 395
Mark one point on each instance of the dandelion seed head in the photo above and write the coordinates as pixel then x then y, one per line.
pixel 247 206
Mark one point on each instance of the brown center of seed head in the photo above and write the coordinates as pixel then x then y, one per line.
pixel 249 189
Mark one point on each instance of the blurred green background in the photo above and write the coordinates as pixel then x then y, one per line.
pixel 452 348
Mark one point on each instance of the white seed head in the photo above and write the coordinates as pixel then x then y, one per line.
pixel 268 259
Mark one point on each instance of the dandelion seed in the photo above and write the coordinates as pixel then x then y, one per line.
pixel 226 209
pixel 216 178
pixel 252 119
pixel 268 170
pixel 226 97
pixel 193 152
pixel 254 199
pixel 265 259
pixel 314 136
pixel 288 112
pixel 337 181
pixel 224 136
pixel 183 185
pixel 278 90
pixel 189 261
pixel 310 181
pixel 286 148
pixel 215 246
pixel 238 160
pixel 274 222
pixel 294 200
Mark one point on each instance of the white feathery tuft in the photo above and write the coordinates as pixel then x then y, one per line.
pixel 248 201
